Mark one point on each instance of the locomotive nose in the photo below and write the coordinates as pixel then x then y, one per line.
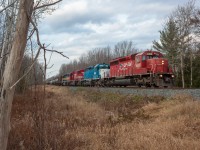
pixel 158 65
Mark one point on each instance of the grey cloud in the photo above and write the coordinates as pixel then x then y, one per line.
pixel 105 22
pixel 73 24
pixel 106 12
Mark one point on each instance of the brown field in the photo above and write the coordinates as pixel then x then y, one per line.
pixel 85 120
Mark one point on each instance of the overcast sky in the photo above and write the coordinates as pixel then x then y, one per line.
pixel 81 25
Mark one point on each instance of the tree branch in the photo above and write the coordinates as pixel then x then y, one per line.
pixel 37 33
pixel 7 6
pixel 55 51
pixel 31 34
pixel 46 5
pixel 4 55
pixel 43 46
pixel 49 58
pixel 50 67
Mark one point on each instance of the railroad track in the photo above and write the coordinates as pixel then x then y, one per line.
pixel 165 92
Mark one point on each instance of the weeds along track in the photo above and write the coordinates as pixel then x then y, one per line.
pixel 81 119
pixel 165 92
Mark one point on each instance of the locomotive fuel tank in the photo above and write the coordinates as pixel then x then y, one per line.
pixel 123 82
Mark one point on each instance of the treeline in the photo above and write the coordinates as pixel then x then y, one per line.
pixel 99 55
pixel 34 77
pixel 180 42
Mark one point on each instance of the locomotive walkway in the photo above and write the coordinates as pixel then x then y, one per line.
pixel 195 93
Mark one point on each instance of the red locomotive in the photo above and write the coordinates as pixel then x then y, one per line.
pixel 147 68
pixel 76 77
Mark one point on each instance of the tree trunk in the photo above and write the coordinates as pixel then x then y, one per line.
pixel 12 69
pixel 5 48
pixel 8 36
pixel 182 71
pixel 191 70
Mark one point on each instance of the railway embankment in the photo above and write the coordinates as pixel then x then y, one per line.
pixel 165 92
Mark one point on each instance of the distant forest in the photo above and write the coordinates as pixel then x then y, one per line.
pixel 99 55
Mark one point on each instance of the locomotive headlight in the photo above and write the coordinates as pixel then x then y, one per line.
pixel 173 76
pixel 160 75
pixel 163 62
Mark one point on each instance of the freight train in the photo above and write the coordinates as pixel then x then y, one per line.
pixel 148 68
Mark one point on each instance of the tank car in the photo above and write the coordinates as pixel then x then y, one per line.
pixel 56 80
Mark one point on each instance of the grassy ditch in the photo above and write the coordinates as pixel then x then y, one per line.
pixel 91 120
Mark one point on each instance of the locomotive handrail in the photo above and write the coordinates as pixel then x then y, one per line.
pixel 152 69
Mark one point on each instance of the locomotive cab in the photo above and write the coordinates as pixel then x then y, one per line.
pixel 101 71
pixel 142 59
pixel 88 76
pixel 157 68
pixel 65 79
pixel 76 77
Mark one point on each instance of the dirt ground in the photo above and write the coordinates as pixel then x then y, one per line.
pixel 68 120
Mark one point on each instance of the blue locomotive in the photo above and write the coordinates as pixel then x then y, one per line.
pixel 88 76
pixel 94 75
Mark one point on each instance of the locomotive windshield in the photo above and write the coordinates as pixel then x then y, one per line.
pixel 149 57
pixel 152 56
pixel 102 66
pixel 65 76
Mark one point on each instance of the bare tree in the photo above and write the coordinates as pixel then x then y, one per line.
pixel 25 14
pixel 124 48
pixel 8 30
pixel 99 55
pixel 182 17
pixel 63 69
pixel 13 67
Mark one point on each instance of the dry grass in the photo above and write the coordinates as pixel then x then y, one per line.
pixel 92 120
